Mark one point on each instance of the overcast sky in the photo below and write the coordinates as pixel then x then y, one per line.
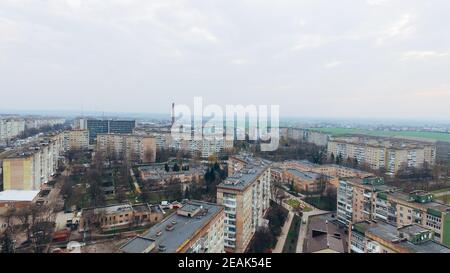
pixel 323 58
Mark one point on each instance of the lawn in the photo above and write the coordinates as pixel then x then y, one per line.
pixel 290 246
pixel 414 134
pixel 293 203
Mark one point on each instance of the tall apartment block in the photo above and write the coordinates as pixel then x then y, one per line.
pixel 378 153
pixel 204 147
pixel 10 128
pixel 246 197
pixel 76 140
pixel 370 199
pixel 137 148
pixel 307 135
pixel 31 167
pixel 100 126
pixel 197 227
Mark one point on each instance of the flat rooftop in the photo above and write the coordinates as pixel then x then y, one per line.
pixel 390 233
pixel 184 229
pixel 241 179
pixel 429 205
pixel 18 196
pixel 110 209
pixel 304 175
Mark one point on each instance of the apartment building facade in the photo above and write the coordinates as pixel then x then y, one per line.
pixel 31 167
pixel 76 140
pixel 307 135
pixel 391 155
pixel 246 198
pixel 10 128
pixel 136 148
pixel 369 199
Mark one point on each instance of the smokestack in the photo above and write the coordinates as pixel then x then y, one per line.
pixel 173 114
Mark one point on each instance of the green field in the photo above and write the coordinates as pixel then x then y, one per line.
pixel 441 190
pixel 411 134
pixel 444 199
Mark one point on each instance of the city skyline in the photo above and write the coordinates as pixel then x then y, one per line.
pixel 369 59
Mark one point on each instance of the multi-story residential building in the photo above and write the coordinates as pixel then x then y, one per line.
pixel 246 197
pixel 197 227
pixel 203 147
pixel 29 168
pixel 389 154
pixel 10 128
pixel 156 174
pixel 39 122
pixel 303 170
pixel 101 126
pixel 443 151
pixel 369 199
pixel 382 237
pixel 119 217
pixel 136 148
pixel 307 135
pixel 76 140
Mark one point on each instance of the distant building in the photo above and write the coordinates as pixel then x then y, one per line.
pixel 157 174
pixel 136 148
pixel 10 128
pixel 306 135
pixel 76 140
pixel 383 153
pixel 246 197
pixel 443 152
pixel 381 237
pixel 197 227
pixel 370 199
pixel 101 126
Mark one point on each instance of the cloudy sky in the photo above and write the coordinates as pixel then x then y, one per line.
pixel 321 58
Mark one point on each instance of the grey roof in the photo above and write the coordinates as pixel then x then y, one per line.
pixel 137 245
pixel 185 228
pixel 304 175
pixel 390 233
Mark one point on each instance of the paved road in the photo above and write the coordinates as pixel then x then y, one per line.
pixel 284 232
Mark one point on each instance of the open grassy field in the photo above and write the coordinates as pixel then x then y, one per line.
pixel 441 190
pixel 411 134
pixel 444 199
